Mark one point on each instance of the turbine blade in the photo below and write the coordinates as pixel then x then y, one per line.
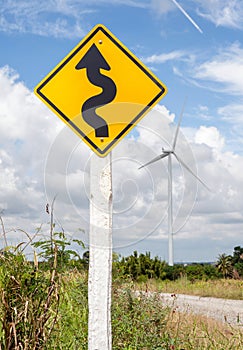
pixel 190 171
pixel 163 155
pixel 178 126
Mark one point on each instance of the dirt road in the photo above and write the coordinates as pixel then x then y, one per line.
pixel 230 311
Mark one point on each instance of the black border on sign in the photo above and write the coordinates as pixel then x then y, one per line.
pixel 38 90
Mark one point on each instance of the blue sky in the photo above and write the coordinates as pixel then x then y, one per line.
pixel 195 47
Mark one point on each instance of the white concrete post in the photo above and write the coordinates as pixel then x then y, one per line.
pixel 100 254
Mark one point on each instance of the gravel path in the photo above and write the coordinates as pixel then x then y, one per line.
pixel 230 311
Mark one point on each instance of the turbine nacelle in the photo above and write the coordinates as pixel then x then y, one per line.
pixel 166 151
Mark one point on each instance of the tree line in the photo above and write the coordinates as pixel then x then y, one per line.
pixel 141 267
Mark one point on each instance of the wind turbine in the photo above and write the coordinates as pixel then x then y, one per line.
pixel 169 153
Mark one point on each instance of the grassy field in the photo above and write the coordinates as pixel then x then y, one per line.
pixel 224 288
pixel 139 322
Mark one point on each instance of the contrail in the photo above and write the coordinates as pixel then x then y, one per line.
pixel 187 16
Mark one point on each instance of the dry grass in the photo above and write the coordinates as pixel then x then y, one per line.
pixel 226 289
pixel 198 332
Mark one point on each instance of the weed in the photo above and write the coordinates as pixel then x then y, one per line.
pixel 139 322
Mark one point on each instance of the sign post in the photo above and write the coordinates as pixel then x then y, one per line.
pixel 101 90
pixel 100 253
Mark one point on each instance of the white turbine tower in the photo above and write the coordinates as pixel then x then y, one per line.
pixel 168 153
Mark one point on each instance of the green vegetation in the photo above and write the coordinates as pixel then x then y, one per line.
pixel 138 322
pixel 44 304
pixel 29 301
pixel 141 268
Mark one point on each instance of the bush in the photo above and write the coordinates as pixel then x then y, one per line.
pixel 139 322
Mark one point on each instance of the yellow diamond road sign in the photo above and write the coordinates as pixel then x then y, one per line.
pixel 101 90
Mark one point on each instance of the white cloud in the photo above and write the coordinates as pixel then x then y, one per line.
pixel 33 149
pixel 232 116
pixel 210 136
pixel 53 18
pixel 133 3
pixel 165 57
pixel 25 138
pixel 70 18
pixel 225 69
pixel 57 18
pixel 232 113
pixel 162 7
pixel 222 12
pixel 221 72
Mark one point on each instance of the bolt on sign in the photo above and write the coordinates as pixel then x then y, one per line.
pixel 100 90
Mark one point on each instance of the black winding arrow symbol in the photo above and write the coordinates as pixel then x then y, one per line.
pixel 93 61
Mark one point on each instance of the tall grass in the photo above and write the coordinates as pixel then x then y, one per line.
pixel 29 302
pixel 71 331
pixel 139 322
